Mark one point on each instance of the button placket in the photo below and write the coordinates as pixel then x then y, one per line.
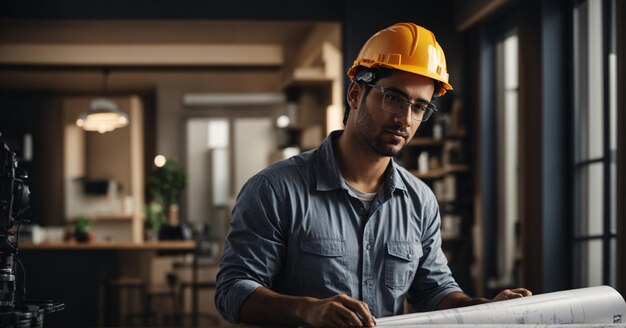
pixel 367 273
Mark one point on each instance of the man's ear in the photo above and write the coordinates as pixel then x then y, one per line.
pixel 352 96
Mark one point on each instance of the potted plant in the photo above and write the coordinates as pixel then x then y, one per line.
pixel 82 229
pixel 166 183
pixel 164 188
pixel 155 219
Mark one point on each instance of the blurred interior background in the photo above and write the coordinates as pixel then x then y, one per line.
pixel 526 155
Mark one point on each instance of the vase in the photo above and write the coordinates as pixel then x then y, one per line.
pixel 172 215
pixel 151 235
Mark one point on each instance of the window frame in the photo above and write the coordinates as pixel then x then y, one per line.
pixel 607 236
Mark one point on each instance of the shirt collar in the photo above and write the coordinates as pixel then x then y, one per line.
pixel 327 174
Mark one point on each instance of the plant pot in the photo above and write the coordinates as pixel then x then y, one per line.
pixel 152 235
pixel 83 237
pixel 172 214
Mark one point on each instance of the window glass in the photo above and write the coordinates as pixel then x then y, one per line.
pixel 592 68
pixel 588 263
pixel 613 134
pixel 208 182
pixel 508 147
pixel 590 212
pixel 613 273
pixel 594 108
pixel 589 79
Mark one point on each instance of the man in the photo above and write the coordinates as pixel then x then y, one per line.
pixel 340 235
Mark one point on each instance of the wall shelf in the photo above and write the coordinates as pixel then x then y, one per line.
pixel 112 217
pixel 441 172
pixel 449 175
pixel 424 141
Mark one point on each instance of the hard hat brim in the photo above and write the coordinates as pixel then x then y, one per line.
pixel 406 68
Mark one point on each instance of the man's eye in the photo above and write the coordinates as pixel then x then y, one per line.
pixel 394 98
pixel 420 107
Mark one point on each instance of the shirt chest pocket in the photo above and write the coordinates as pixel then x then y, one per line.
pixel 323 261
pixel 401 263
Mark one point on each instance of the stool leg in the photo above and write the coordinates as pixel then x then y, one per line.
pixel 129 308
pixel 100 305
pixel 181 301
pixel 148 313
pixel 175 309
pixel 118 308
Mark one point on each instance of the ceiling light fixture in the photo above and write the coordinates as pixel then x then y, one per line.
pixel 103 115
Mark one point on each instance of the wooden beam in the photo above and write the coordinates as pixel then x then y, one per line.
pixel 471 12
pixel 311 49
pixel 141 54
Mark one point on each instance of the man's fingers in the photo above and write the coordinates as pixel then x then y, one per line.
pixel 516 293
pixel 372 321
pixel 364 313
pixel 349 317
pixel 523 291
pixel 338 322
pixel 361 309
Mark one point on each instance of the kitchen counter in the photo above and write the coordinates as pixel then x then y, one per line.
pixel 169 245
pixel 76 274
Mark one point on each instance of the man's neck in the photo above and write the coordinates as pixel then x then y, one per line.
pixel 360 166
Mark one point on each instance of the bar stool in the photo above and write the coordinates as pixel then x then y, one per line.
pixel 203 257
pixel 116 289
pixel 169 293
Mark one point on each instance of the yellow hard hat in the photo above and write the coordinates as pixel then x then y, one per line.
pixel 407 47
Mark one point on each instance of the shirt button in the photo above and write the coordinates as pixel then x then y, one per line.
pixel 369 247
pixel 409 256
pixel 367 282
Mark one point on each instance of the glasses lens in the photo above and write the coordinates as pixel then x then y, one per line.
pixel 393 102
pixel 422 111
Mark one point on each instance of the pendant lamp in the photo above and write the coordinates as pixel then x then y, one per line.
pixel 103 115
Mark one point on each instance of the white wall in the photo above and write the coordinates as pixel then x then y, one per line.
pixel 254 142
pixel 198 188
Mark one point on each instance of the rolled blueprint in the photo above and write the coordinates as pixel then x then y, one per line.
pixel 592 305
pixel 586 325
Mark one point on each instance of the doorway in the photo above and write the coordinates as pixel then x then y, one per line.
pixel 222 153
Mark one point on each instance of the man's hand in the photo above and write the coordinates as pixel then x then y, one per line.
pixel 339 311
pixel 509 294
pixel 459 299
pixel 268 307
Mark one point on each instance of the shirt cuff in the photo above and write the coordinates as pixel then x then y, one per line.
pixel 237 295
pixel 440 295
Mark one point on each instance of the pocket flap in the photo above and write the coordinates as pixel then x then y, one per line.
pixel 405 250
pixel 323 247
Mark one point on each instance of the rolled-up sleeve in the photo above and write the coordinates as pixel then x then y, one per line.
pixel 254 248
pixel 433 280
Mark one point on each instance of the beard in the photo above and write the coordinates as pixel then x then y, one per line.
pixel 376 138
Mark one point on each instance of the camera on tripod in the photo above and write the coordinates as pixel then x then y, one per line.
pixel 14 201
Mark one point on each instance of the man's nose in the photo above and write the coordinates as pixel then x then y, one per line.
pixel 404 116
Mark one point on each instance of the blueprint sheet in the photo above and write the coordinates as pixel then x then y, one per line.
pixel 600 306
pixel 614 325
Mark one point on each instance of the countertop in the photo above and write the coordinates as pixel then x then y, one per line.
pixel 112 245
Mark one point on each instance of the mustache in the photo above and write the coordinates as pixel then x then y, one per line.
pixel 398 129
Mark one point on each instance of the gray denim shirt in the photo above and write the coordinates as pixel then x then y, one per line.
pixel 298 229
